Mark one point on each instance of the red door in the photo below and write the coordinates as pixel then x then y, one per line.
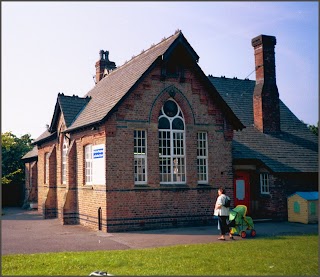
pixel 242 189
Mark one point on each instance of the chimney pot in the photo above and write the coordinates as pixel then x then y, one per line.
pixel 104 66
pixel 101 53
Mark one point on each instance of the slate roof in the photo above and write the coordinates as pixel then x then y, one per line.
pixel 32 154
pixel 310 195
pixel 109 91
pixel 70 106
pixel 294 149
pixel 104 97
pixel 46 135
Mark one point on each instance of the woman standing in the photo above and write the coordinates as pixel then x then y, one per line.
pixel 223 213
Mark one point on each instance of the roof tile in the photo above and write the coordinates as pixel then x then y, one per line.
pixel 294 149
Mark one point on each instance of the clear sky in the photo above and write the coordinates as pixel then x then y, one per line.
pixel 52 47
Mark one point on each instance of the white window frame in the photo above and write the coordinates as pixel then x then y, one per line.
pixel 202 157
pixel 65 147
pixel 264 183
pixel 140 157
pixel 46 167
pixel 88 164
pixel 172 157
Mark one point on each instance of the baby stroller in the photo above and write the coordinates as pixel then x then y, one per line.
pixel 239 222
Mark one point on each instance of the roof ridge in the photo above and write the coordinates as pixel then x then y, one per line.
pixel 229 78
pixel 134 57
pixel 72 96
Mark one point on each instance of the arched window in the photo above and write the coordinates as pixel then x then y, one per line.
pixel 171 128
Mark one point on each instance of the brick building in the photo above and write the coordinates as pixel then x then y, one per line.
pixel 150 144
pixel 31 177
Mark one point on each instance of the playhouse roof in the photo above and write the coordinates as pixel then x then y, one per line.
pixel 307 195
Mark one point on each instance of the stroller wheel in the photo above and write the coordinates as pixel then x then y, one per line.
pixel 243 234
pixel 253 233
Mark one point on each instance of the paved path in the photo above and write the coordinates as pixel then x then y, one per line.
pixel 24 231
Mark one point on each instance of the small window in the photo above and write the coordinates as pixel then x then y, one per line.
pixel 88 164
pixel 264 183
pixel 46 171
pixel 240 189
pixel 64 160
pixel 202 158
pixel 140 157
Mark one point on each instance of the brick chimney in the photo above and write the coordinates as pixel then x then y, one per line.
pixel 266 110
pixel 104 66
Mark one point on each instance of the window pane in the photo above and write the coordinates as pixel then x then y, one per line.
pixel 178 143
pixel 171 144
pixel 202 159
pixel 139 169
pixel 165 169
pixel 264 183
pixel 296 207
pixel 164 143
pixel 170 108
pixel 178 170
pixel 240 189
pixel 88 164
pixel 178 124
pixel 140 157
pixel 163 123
pixel 202 169
pixel 64 161
pixel 47 168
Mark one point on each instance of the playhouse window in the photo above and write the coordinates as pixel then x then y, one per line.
pixel 264 183
pixel 296 207
pixel 171 128
pixel 202 158
pixel 313 208
pixel 140 157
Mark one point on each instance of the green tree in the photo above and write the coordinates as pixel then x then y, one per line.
pixel 314 129
pixel 13 149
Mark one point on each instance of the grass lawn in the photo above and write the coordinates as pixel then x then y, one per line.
pixel 283 255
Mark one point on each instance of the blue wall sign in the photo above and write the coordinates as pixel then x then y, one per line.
pixel 98 153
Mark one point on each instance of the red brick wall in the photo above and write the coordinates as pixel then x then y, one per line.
pixel 131 207
pixel 123 205
pixel 47 202
pixel 89 197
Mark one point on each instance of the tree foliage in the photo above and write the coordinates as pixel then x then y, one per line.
pixel 13 149
pixel 314 129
